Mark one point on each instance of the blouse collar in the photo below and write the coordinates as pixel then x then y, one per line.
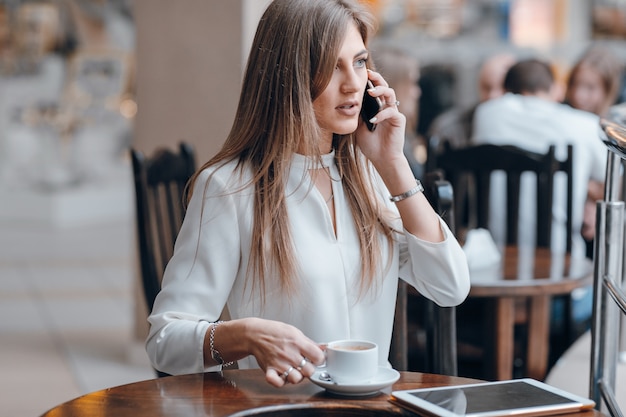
pixel 311 162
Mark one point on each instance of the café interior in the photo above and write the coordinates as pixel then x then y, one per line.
pixel 84 81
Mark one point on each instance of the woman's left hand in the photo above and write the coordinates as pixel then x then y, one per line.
pixel 385 144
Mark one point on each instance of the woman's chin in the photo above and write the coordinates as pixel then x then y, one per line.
pixel 347 129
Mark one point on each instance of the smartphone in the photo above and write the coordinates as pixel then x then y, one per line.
pixel 370 107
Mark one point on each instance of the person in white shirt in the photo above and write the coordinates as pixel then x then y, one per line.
pixel 529 116
pixel 291 227
pixel 454 126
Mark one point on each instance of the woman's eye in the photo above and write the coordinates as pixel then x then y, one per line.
pixel 360 62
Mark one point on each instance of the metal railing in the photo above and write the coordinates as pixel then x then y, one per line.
pixel 609 298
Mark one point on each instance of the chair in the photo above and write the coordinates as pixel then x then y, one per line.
pixel 160 183
pixel 437 323
pixel 478 162
pixel 470 169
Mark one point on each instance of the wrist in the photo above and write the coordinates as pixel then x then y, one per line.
pixel 418 188
pixel 216 355
pixel 397 175
pixel 230 340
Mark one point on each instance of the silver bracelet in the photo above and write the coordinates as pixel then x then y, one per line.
pixel 214 352
pixel 419 188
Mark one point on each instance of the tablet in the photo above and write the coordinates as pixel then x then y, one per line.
pixel 517 397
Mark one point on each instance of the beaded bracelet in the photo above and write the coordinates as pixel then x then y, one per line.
pixel 418 189
pixel 215 354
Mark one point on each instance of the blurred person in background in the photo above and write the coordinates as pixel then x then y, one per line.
pixel 455 125
pixel 402 72
pixel 531 117
pixel 438 85
pixel 594 81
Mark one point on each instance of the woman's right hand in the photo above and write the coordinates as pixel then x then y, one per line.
pixel 277 347
pixel 280 347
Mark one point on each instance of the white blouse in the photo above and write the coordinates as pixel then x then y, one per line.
pixel 209 266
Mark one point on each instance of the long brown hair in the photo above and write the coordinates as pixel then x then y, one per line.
pixel 604 62
pixel 291 62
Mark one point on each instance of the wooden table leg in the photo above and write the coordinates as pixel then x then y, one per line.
pixel 538 335
pixel 503 343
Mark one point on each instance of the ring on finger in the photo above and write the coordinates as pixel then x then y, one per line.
pixel 393 103
pixel 302 363
pixel 287 372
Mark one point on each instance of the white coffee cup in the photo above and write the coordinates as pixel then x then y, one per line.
pixel 352 361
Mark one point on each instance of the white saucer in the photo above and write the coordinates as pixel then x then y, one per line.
pixel 384 378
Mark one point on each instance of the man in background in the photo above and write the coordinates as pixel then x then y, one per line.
pixel 529 116
pixel 455 125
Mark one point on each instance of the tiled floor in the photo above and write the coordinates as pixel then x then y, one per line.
pixel 66 313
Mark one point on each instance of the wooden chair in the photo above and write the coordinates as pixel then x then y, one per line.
pixel 438 324
pixel 160 183
pixel 478 162
pixel 471 169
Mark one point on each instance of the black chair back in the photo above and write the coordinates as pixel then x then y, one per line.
pixel 160 185
pixel 469 170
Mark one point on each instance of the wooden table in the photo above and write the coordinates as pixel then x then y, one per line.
pixel 245 393
pixel 522 285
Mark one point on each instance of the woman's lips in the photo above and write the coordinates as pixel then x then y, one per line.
pixel 349 108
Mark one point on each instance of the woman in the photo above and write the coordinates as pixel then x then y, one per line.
pixel 290 226
pixel 594 81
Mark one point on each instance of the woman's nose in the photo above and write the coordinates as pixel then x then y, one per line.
pixel 354 82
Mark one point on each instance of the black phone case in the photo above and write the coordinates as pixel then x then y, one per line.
pixel 370 107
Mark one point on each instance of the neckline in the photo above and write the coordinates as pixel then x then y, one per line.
pixel 312 162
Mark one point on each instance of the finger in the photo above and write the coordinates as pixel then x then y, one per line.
pixel 306 368
pixel 389 113
pixel 384 93
pixel 291 375
pixel 314 353
pixel 392 103
pixel 388 97
pixel 273 377
pixel 294 377
pixel 285 375
pixel 377 79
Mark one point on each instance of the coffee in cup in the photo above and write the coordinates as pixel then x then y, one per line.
pixel 352 361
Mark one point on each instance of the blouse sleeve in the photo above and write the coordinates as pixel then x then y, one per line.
pixel 197 280
pixel 439 271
